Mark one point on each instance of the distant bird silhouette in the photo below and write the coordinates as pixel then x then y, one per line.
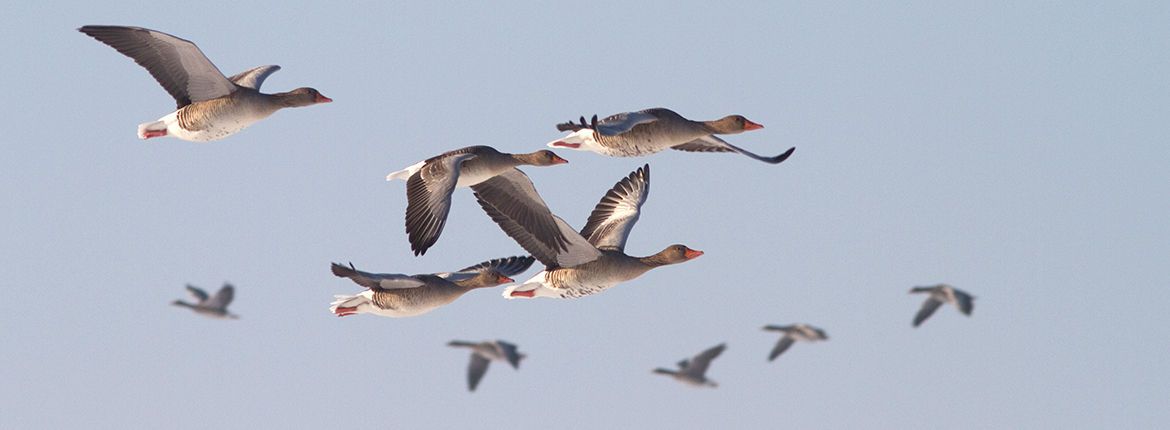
pixel 693 371
pixel 483 353
pixel 429 184
pixel 214 306
pixel 395 295
pixel 210 105
pixel 592 260
pixel 939 294
pixel 793 333
pixel 631 134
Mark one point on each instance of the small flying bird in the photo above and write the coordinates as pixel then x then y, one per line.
pixel 210 105
pixel 396 295
pixel 594 259
pixel 694 371
pixel 429 184
pixel 939 294
pixel 632 134
pixel 793 333
pixel 214 306
pixel 483 353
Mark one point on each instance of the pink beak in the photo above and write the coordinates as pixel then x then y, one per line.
pixel 322 99
pixel 748 125
pixel 692 253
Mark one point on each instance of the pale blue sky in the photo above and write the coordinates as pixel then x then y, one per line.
pixel 1016 150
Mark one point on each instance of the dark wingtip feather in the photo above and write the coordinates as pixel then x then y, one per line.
pixel 780 158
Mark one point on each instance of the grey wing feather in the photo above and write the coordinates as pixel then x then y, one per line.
pixel 623 122
pixel 698 365
pixel 510 353
pixel 428 200
pixel 928 308
pixel 197 293
pixel 254 77
pixel 475 370
pixel 513 203
pixel 505 266
pixel 715 144
pixel 177 64
pixel 614 216
pixel 222 298
pixel 965 302
pixel 376 280
pixel 780 347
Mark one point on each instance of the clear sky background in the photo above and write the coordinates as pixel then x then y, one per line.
pixel 1018 150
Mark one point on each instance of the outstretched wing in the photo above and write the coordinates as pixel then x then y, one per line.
pixel 698 365
pixel 928 308
pixel 780 347
pixel 964 301
pixel 475 370
pixel 510 353
pixel 512 202
pixel 508 266
pixel 222 298
pixel 428 199
pixel 177 64
pixel 616 124
pixel 197 293
pixel 254 77
pixel 614 216
pixel 715 144
pixel 386 281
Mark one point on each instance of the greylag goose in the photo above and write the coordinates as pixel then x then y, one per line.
pixel 939 294
pixel 694 371
pixel 213 306
pixel 395 295
pixel 429 184
pixel 592 260
pixel 483 353
pixel 631 134
pixel 793 333
pixel 210 105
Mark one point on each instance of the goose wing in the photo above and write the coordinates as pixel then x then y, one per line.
pixel 614 216
pixel 386 281
pixel 177 64
pixel 715 144
pixel 254 77
pixel 512 202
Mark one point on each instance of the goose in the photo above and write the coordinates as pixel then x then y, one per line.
pixel 483 353
pixel 939 294
pixel 631 134
pixel 693 371
pixel 429 184
pixel 793 333
pixel 397 296
pixel 213 306
pixel 593 260
pixel 210 106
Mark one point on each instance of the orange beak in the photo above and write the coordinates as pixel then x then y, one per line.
pixel 692 253
pixel 504 279
pixel 322 99
pixel 558 160
pixel 748 125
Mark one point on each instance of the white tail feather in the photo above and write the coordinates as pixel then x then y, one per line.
pixel 406 173
pixel 349 301
pixel 150 126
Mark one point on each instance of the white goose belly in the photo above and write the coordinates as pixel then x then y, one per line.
pixel 211 124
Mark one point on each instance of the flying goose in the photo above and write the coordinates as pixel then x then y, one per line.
pixel 631 134
pixel 483 353
pixel 939 294
pixel 429 184
pixel 592 260
pixel 210 105
pixel 213 306
pixel 395 295
pixel 693 371
pixel 793 333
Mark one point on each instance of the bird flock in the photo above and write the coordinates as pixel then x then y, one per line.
pixel 211 106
